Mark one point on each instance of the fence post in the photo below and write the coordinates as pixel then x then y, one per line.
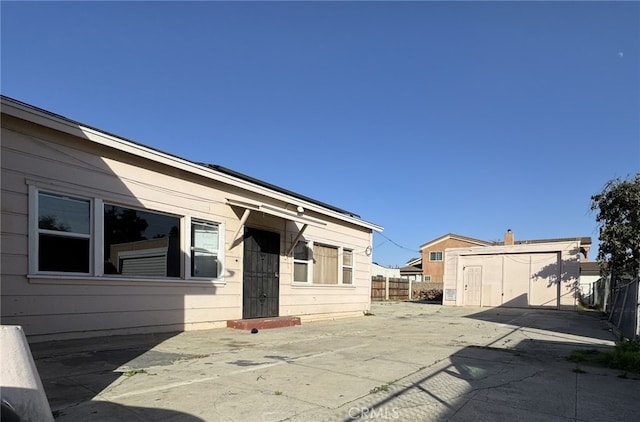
pixel 386 287
pixel 410 289
pixel 637 307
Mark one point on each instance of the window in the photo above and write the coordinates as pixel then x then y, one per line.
pixel 205 242
pixel 84 236
pixel 435 256
pixel 427 279
pixel 301 257
pixel 325 264
pixel 347 266
pixel 64 233
pixel 316 263
pixel 141 243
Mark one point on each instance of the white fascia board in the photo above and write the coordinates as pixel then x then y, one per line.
pixel 507 249
pixel 34 115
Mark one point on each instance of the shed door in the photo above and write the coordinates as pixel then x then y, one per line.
pixel 261 269
pixel 472 285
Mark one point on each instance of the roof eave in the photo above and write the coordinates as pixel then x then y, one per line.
pixel 54 121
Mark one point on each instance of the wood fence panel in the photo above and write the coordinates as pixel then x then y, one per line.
pixel 378 288
pixel 398 288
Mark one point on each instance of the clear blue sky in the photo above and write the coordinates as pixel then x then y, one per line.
pixel 422 117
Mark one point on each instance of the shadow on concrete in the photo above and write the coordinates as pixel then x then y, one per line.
pixel 531 380
pixel 570 322
pixel 103 410
pixel 76 371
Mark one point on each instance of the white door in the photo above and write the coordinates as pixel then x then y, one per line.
pixel 472 285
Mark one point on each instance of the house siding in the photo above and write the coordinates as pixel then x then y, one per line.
pixel 58 307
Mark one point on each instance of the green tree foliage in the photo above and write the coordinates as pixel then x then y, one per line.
pixel 618 207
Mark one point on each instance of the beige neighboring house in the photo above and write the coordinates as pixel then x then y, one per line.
pixel 536 273
pixel 103 236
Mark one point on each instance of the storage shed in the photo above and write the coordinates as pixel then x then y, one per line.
pixel 514 275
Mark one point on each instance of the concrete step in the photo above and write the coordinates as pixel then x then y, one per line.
pixel 263 323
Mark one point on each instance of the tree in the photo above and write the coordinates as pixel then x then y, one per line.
pixel 618 217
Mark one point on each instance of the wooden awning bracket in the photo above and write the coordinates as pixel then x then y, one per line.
pixel 295 240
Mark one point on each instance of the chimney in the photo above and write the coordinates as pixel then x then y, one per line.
pixel 508 237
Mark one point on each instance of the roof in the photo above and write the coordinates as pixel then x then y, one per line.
pixel 219 173
pixel 278 189
pixel 582 240
pixel 410 269
pixel 415 261
pixel 457 237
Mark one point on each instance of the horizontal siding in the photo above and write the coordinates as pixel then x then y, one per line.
pixel 37 325
pixel 18 285
pixel 12 265
pixel 14 224
pixel 14 305
pixel 14 244
pixel 14 202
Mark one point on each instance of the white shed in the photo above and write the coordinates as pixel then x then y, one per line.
pixel 521 275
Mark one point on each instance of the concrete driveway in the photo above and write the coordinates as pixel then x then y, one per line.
pixel 407 362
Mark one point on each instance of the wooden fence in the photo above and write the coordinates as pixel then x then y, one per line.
pixel 399 288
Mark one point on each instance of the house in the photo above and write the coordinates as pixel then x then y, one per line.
pixel 104 236
pixel 433 254
pixel 413 270
pixel 535 273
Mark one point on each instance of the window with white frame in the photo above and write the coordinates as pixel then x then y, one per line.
pixel 325 264
pixel 435 256
pixel 301 262
pixel 347 266
pixel 205 245
pixel 427 279
pixel 64 233
pixel 317 263
pixel 71 232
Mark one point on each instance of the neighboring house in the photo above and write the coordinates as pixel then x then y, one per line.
pixel 413 270
pixel 381 271
pixel 433 254
pixel 535 273
pixel 103 236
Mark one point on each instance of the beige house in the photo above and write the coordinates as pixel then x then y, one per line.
pixel 523 274
pixel 102 236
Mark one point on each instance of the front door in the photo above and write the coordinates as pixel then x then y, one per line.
pixel 472 285
pixel 261 268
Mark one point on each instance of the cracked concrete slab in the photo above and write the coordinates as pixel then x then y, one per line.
pixel 408 361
